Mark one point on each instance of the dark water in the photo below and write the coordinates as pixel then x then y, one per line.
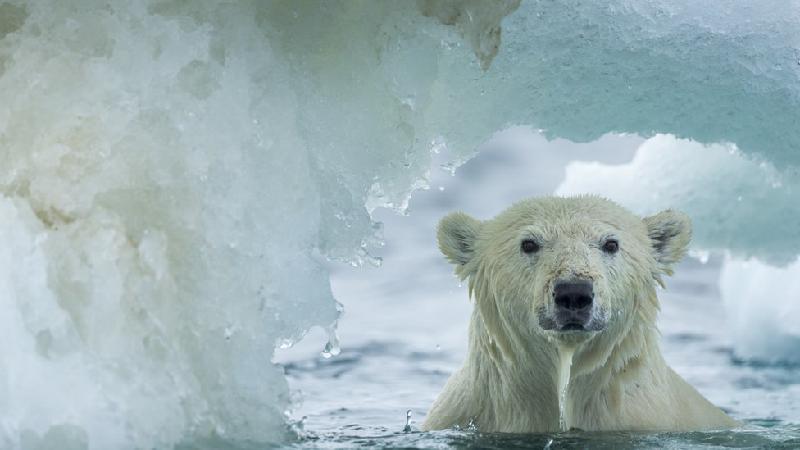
pixel 746 439
pixel 371 412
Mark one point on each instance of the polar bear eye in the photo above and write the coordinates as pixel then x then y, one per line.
pixel 529 246
pixel 611 246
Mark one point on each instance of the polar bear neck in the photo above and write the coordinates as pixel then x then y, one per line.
pixel 518 378
pixel 565 354
pixel 565 379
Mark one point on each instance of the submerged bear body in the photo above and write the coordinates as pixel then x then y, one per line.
pixel 563 334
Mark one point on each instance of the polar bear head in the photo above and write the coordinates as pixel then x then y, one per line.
pixel 567 269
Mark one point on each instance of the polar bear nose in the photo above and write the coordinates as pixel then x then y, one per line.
pixel 573 295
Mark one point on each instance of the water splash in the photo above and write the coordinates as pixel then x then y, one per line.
pixel 407 428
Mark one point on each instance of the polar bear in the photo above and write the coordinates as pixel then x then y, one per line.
pixel 563 334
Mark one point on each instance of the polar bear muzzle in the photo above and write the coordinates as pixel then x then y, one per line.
pixel 574 302
pixel 574 308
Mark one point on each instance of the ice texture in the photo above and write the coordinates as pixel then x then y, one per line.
pixel 174 172
pixel 763 304
pixel 478 21
pixel 578 70
pixel 158 216
pixel 739 203
pixel 174 176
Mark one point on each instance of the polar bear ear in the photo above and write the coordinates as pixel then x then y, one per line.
pixel 457 235
pixel 670 232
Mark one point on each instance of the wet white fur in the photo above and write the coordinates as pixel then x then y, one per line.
pixel 618 378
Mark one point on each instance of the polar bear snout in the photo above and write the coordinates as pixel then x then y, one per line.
pixel 573 307
pixel 573 296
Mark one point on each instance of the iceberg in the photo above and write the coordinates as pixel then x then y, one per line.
pixel 733 198
pixel 175 173
pixel 764 329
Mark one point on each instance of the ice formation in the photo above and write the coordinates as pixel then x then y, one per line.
pixel 158 215
pixel 764 329
pixel 173 175
pixel 173 172
pixel 731 197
